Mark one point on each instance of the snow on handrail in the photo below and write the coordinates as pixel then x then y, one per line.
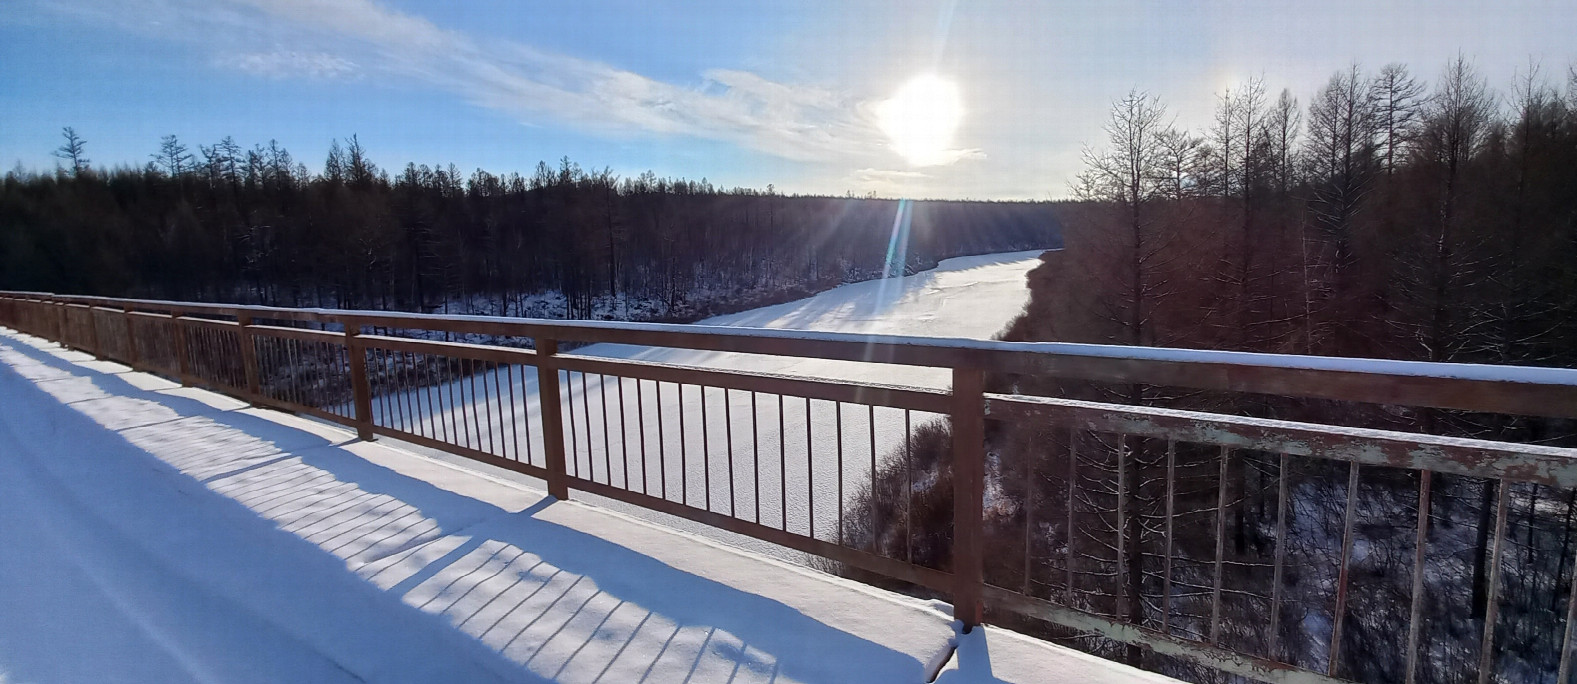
pixel 1554 390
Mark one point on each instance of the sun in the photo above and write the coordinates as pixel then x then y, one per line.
pixel 921 118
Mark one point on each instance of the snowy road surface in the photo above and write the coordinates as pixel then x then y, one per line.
pixel 746 454
pixel 153 533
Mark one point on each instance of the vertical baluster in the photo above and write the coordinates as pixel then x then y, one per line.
pixel 1029 518
pixel 476 404
pixel 1171 512
pixel 585 414
pixel 837 426
pixel 416 389
pixel 684 466
pixel 236 375
pixel 392 381
pixel 462 406
pixel 435 398
pixel 1564 674
pixel 514 416
pixel 756 456
pixel 299 370
pixel 870 412
pixel 489 399
pixel 1340 615
pixel 662 452
pixel 131 339
pixel 1221 539
pixel 424 400
pixel 456 416
pixel 782 463
pixel 525 413
pixel 391 388
pixel 458 431
pixel 1073 474
pixel 607 444
pixel 728 434
pixel 624 434
pixel 387 398
pixel 1486 657
pixel 298 394
pixel 810 473
pixel 640 420
pixel 205 359
pixel 413 409
pixel 445 396
pixel 394 418
pixel 1281 558
pixel 504 446
pixel 574 435
pixel 706 452
pixel 391 374
pixel 908 488
pixel 384 416
pixel 93 334
pixel 1122 529
pixel 212 355
pixel 285 374
pixel 486 406
pixel 1415 613
pixel 178 339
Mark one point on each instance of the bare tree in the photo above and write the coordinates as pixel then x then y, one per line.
pixel 1283 123
pixel 1455 126
pixel 73 151
pixel 172 158
pixel 1181 160
pixel 1340 156
pixel 1126 174
pixel 1130 174
pixel 1398 106
pixel 1243 112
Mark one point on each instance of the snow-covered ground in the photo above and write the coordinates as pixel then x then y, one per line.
pixel 153 533
pixel 778 467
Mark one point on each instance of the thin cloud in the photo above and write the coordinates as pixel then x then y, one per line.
pixel 324 39
pixel 291 64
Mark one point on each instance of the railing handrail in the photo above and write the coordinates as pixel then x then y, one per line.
pixel 1518 390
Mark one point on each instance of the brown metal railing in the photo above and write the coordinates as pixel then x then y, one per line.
pixel 725 448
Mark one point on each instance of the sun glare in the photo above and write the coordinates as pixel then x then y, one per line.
pixel 921 118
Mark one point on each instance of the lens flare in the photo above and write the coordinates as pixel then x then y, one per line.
pixel 921 118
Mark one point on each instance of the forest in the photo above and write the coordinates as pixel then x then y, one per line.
pixel 1382 216
pixel 230 224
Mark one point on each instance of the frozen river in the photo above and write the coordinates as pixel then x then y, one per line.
pixel 759 456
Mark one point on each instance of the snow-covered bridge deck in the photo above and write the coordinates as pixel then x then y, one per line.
pixel 156 533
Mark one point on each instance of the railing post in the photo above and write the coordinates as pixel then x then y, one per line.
pixel 131 338
pixel 183 367
pixel 969 463
pixel 248 353
pixel 552 418
pixel 359 387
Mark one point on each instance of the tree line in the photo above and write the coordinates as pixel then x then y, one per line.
pixel 1385 216
pixel 227 223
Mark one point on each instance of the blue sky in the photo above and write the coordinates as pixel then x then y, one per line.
pixel 742 93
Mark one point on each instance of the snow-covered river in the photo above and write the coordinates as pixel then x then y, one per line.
pixel 771 470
